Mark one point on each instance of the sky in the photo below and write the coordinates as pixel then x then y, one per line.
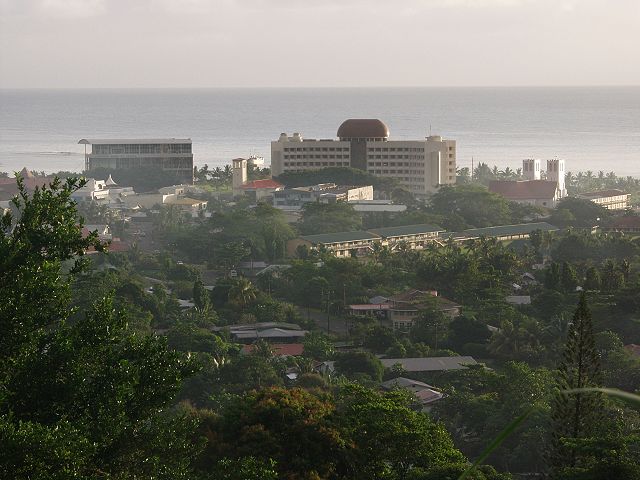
pixel 317 43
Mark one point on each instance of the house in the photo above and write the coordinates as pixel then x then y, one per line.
pixel 271 331
pixel 9 186
pixel 104 232
pixel 612 199
pixel 430 364
pixel 405 307
pixel 256 189
pixel 425 394
pixel 402 310
pixel 295 198
pixel 279 350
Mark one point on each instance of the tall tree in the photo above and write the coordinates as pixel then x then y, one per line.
pixel 82 399
pixel 575 416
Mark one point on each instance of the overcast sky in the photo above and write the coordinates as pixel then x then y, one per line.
pixel 238 43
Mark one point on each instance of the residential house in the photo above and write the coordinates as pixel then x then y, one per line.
pixel 425 394
pixel 430 364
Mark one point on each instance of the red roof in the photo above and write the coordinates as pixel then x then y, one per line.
pixel 626 221
pixel 524 190
pixel 266 183
pixel 280 349
pixel 633 349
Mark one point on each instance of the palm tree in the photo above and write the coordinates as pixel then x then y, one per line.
pixel 242 293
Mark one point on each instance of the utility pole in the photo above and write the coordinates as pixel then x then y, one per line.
pixel 328 313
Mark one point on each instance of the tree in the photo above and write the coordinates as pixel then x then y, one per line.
pixel 464 329
pixel 592 279
pixel 328 218
pixel 568 278
pixel 86 398
pixel 242 293
pixel 552 277
pixel 360 363
pixel 388 438
pixel 317 346
pixel 575 416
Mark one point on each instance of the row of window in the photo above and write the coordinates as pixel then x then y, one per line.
pixel 303 156
pixel 316 149
pixel 395 164
pixel 395 149
pixel 397 172
pixel 316 164
pixel 119 149
pixel 158 162
pixel 413 157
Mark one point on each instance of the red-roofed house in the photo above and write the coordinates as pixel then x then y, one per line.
pixel 256 189
pixel 626 224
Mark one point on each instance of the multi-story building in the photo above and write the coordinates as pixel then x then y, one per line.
pixel 421 166
pixel 173 155
pixel 610 199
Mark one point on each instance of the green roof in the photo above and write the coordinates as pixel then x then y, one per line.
pixel 509 230
pixel 406 230
pixel 340 237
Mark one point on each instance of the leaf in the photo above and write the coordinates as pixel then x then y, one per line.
pixel 612 392
pixel 497 442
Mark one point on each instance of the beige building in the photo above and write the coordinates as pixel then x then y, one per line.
pixel 610 199
pixel 420 166
pixel 295 198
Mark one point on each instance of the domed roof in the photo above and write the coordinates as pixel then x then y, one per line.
pixel 363 128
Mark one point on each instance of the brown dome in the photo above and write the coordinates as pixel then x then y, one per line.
pixel 363 128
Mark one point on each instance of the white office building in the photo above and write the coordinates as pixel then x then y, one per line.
pixel 421 166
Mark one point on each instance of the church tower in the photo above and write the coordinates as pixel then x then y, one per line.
pixel 555 173
pixel 531 169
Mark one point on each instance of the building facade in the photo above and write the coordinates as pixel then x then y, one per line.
pixel 421 166
pixel 610 199
pixel 173 155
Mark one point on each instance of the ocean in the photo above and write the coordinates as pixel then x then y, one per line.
pixel 592 128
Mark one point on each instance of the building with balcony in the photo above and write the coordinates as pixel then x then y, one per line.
pixel 172 155
pixel 421 166
pixel 610 199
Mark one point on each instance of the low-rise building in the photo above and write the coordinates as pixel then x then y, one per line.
pixel 430 364
pixel 425 394
pixel 625 224
pixel 295 198
pixel 341 244
pixel 610 199
pixel 410 236
pixel 402 310
pixel 501 232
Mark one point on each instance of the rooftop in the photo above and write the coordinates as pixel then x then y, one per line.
pixel 524 190
pixel 429 364
pixel 509 230
pixel 363 128
pixel 407 230
pixel 602 193
pixel 132 141
pixel 340 237
pixel 258 184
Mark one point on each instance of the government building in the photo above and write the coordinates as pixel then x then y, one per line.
pixel 420 166
pixel 173 155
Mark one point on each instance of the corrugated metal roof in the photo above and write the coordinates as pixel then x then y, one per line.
pixel 340 237
pixel 407 230
pixel 429 364
pixel 509 230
